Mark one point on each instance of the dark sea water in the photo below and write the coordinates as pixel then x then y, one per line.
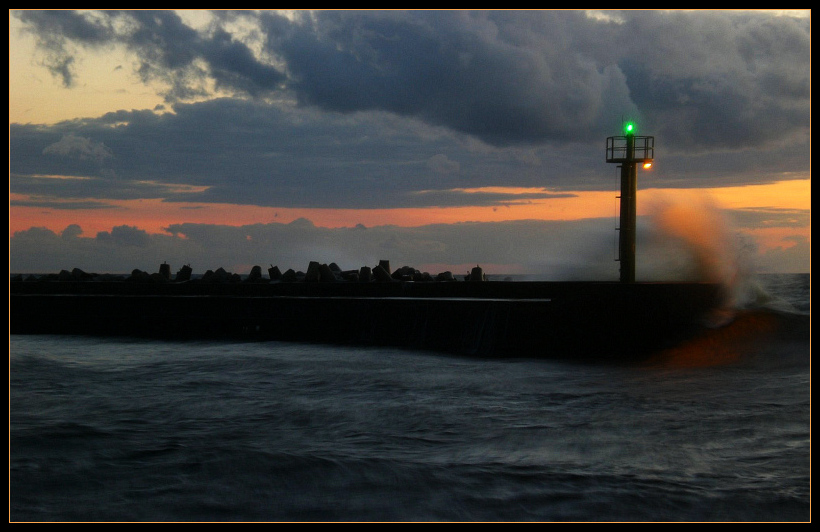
pixel 716 429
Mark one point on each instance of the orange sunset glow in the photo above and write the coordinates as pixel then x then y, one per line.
pixel 153 215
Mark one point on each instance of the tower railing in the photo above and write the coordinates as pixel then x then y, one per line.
pixel 617 150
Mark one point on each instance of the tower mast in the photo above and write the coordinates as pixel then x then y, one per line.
pixel 629 150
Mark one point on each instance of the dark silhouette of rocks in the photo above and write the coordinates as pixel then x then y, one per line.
pixel 317 272
pixel 139 276
pixel 351 276
pixel 220 276
pixel 423 277
pixel 381 275
pixel 365 274
pixel 79 275
pixel 408 273
pixel 477 274
pixel 165 270
pixel 274 273
pixel 312 274
pixel 326 274
pixel 405 273
pixel 322 273
pixel 255 276
pixel 223 276
pixel 184 273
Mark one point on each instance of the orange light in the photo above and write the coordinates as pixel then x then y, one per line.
pixel 647 165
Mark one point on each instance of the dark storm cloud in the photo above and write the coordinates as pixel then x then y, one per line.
pixel 61 189
pixel 393 103
pixel 702 80
pixel 165 47
pixel 62 205
pixel 255 153
pixel 486 74
pixel 55 30
pixel 440 198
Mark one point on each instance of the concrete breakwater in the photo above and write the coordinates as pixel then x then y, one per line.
pixel 585 320
pixel 316 272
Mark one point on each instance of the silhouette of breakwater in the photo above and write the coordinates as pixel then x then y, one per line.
pixel 316 272
pixel 402 308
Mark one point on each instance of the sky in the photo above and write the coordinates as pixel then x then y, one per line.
pixel 434 139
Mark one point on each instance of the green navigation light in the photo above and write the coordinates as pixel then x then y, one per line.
pixel 629 128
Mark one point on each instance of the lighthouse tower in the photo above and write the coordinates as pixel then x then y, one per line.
pixel 629 150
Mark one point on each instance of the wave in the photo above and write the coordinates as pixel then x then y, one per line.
pixel 761 337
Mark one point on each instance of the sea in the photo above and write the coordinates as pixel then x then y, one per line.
pixel 716 429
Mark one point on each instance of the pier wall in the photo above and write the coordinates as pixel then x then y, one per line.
pixel 499 319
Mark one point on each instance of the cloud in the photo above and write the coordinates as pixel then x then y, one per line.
pixel 494 75
pixel 56 31
pixel 76 147
pixel 702 80
pixel 125 235
pixel 793 257
pixel 771 217
pixel 569 250
pixel 441 164
pixel 480 197
pixel 255 153
pixel 72 231
pixel 391 109
pixel 61 204
pixel 390 103
pixel 167 50
pixel 258 153
pixel 66 192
